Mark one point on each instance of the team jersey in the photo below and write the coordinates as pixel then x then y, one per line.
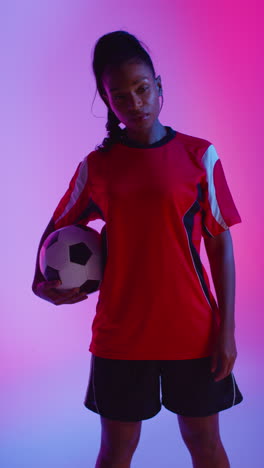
pixel 157 201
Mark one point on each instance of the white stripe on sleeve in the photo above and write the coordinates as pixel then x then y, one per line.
pixel 78 187
pixel 209 159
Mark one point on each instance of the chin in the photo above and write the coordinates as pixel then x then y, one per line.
pixel 141 123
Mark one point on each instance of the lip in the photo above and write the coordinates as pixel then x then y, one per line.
pixel 140 117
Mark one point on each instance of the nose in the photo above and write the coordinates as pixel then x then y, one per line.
pixel 134 103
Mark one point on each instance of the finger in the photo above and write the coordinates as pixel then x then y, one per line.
pixel 71 299
pixel 222 371
pixel 65 294
pixel 231 366
pixel 214 360
pixel 68 292
pixel 220 376
pixel 51 284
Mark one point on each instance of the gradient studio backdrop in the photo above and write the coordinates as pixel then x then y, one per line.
pixel 206 53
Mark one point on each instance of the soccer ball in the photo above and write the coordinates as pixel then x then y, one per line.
pixel 76 256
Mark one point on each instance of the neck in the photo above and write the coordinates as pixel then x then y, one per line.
pixel 146 136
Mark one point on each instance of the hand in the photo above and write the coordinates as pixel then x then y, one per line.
pixel 224 355
pixel 46 290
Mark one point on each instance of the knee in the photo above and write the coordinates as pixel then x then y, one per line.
pixel 117 455
pixel 121 450
pixel 119 446
pixel 204 442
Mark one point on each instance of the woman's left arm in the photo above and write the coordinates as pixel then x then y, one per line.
pixel 220 254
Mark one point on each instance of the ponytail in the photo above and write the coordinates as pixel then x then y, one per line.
pixel 114 132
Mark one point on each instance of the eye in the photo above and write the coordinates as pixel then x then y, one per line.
pixel 143 89
pixel 118 96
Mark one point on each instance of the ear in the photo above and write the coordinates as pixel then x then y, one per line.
pixel 106 101
pixel 158 84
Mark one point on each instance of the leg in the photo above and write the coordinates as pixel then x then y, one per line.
pixel 202 438
pixel 118 443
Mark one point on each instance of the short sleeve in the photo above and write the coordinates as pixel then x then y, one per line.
pixel 76 206
pixel 219 209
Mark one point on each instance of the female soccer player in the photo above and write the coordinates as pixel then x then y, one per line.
pixel 157 323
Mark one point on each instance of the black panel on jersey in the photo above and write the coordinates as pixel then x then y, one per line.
pixel 92 207
pixel 188 221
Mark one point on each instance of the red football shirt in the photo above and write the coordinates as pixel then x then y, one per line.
pixel 157 201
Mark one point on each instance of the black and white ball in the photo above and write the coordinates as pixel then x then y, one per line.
pixel 76 256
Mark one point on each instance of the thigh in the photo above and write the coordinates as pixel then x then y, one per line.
pixel 123 390
pixel 120 433
pixel 189 389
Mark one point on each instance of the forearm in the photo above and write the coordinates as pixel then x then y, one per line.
pixel 222 265
pixel 38 277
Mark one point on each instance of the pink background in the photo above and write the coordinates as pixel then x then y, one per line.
pixel 208 56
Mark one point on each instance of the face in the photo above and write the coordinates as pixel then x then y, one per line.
pixel 131 90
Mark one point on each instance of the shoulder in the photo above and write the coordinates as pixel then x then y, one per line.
pixel 90 156
pixel 193 141
pixel 97 156
pixel 90 160
pixel 199 150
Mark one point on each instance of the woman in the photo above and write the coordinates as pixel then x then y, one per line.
pixel 159 192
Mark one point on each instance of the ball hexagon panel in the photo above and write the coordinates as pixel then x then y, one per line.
pixel 57 255
pixel 94 267
pixel 72 276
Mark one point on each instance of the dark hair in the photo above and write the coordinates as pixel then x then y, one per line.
pixel 113 49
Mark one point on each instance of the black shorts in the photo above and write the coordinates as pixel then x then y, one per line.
pixel 133 390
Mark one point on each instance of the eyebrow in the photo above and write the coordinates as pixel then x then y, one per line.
pixel 134 82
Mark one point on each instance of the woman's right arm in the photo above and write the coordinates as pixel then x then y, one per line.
pixel 46 289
